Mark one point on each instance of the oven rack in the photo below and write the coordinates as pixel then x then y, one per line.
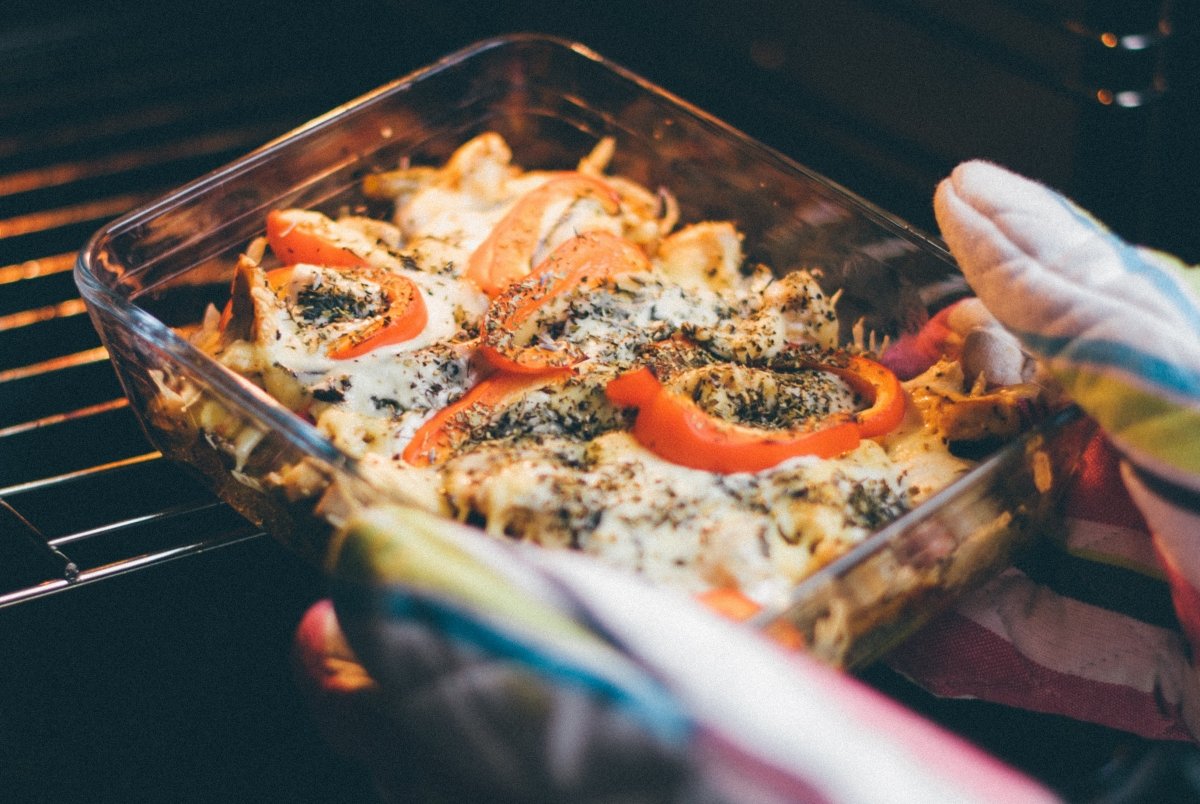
pixel 89 129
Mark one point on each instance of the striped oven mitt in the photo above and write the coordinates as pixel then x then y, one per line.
pixel 1086 627
pixel 460 668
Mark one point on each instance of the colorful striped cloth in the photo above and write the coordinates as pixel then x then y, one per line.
pixel 497 670
pixel 1086 627
pixel 501 671
pixel 1083 627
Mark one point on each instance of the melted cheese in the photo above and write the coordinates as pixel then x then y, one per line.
pixel 681 526
pixel 557 465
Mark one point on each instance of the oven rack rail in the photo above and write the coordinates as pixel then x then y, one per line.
pixel 83 496
pixel 89 129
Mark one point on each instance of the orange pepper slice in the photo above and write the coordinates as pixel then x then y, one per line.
pixel 676 429
pixel 304 236
pixel 589 260
pixel 506 254
pixel 436 440
pixel 301 235
pixel 879 386
pixel 405 318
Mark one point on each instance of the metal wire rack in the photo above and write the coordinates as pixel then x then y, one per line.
pixel 90 128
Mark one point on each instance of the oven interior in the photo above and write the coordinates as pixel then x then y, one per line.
pixel 146 626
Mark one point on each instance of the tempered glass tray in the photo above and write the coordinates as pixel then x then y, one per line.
pixel 159 267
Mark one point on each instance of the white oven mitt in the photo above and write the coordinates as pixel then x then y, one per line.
pixel 1086 629
pixel 1118 325
pixel 501 671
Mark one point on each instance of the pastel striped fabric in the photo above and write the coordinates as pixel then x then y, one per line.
pixel 1083 627
pixel 555 678
pixel 1094 627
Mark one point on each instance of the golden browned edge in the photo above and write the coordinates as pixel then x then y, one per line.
pixel 293 523
pixel 847 630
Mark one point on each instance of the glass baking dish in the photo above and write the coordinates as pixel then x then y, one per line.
pixel 159 267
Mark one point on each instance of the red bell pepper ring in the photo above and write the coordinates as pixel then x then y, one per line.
pixel 437 439
pixel 506 254
pixel 880 387
pixel 676 429
pixel 305 236
pixel 405 318
pixel 301 235
pixel 589 260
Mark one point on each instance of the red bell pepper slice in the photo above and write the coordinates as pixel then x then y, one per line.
pixel 301 235
pixel 589 260
pixel 437 439
pixel 675 428
pixel 405 318
pixel 506 254
pixel 880 387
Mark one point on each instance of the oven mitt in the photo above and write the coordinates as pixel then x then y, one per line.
pixel 500 671
pixel 1085 627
